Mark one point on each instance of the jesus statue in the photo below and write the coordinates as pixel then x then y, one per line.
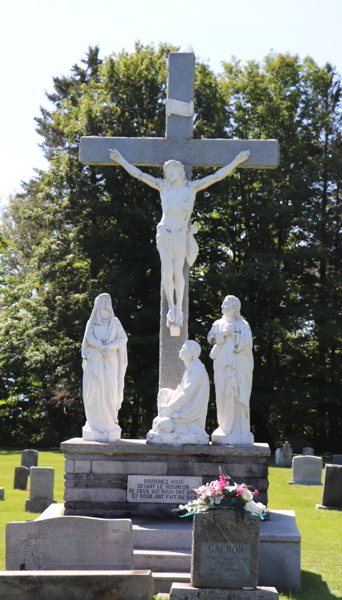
pixel 175 234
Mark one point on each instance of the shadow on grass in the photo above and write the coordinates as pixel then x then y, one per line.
pixel 313 587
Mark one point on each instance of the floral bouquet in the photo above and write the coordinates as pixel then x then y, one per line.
pixel 225 493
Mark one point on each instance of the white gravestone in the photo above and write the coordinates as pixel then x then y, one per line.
pixel 306 470
pixel 178 145
pixel 104 364
pixel 308 451
pixel 41 489
pixel 182 412
pixel 167 489
pixel 69 543
pixel 232 354
pixel 285 455
pixel 277 456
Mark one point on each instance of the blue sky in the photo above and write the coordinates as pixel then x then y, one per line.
pixel 44 38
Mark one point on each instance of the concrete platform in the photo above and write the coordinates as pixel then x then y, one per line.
pixel 181 591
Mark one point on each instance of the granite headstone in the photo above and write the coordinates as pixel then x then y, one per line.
pixel 20 478
pixel 69 543
pixel 2 493
pixel 285 455
pixel 308 451
pixel 225 550
pixel 332 490
pixel 41 489
pixel 29 458
pixel 306 470
pixel 337 459
pixel 277 452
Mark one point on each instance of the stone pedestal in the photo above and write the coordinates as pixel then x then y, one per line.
pixel 130 478
pixel 184 591
pixel 233 439
pixel 101 436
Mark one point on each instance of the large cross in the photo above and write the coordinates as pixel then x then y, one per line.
pixel 178 144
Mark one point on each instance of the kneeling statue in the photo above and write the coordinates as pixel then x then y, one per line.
pixel 182 412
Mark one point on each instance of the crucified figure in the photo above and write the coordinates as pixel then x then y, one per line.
pixel 175 234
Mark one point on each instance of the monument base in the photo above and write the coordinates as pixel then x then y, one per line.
pixel 328 507
pixel 234 439
pixel 131 478
pixel 36 505
pixel 92 435
pixel 177 438
pixel 184 591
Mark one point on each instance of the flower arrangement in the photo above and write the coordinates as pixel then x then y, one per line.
pixel 227 494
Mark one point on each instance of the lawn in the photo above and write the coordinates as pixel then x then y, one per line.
pixel 321 530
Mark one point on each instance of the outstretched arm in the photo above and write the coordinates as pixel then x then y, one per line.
pixel 134 171
pixel 201 184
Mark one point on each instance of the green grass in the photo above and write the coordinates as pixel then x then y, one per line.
pixel 321 530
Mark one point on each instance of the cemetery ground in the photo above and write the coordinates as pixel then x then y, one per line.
pixel 321 530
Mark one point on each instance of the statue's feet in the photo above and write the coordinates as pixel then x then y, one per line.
pixel 179 316
pixel 171 317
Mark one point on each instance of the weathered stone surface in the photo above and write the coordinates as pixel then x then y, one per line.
pixel 285 455
pixel 69 543
pixel 82 466
pixel 130 467
pixel 308 451
pixel 20 478
pixel 36 505
pixel 42 483
pixel 29 458
pixel 337 459
pixel 161 489
pixel 93 585
pixel 184 591
pixel 306 470
pixel 95 495
pixel 241 470
pixel 332 490
pixel 2 493
pixel 225 550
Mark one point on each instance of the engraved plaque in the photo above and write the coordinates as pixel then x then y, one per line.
pixel 225 550
pixel 164 489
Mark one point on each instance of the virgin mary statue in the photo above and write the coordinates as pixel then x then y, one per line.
pixel 104 364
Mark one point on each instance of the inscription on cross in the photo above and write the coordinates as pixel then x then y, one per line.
pixel 178 145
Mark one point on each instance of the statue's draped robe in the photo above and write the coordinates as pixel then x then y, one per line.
pixel 233 371
pixel 103 376
pixel 188 403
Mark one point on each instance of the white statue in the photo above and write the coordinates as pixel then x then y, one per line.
pixel 175 235
pixel 233 371
pixel 182 412
pixel 104 364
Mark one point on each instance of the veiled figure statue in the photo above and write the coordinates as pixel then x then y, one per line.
pixel 233 372
pixel 182 412
pixel 104 364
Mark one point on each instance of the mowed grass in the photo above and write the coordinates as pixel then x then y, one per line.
pixel 321 530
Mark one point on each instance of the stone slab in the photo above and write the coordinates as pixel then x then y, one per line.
pixel 337 459
pixel 42 483
pixel 69 543
pixel 64 585
pixel 94 495
pixel 169 490
pixel 129 467
pixel 225 550
pixel 332 490
pixel 306 470
pixel 141 447
pixel 20 478
pixel 264 154
pixel 29 458
pixel 2 493
pixel 184 591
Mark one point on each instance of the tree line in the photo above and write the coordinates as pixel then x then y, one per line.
pixel 270 237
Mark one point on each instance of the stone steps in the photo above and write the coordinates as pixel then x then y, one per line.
pixel 162 560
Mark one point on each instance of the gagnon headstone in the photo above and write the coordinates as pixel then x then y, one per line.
pixel 69 543
pixel 41 489
pixel 225 550
pixel 29 458
pixel 332 490
pixel 306 470
pixel 20 478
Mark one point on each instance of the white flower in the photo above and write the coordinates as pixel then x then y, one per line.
pixel 247 495
pixel 251 506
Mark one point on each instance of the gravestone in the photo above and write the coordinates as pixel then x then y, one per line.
pixel 2 493
pixel 306 470
pixel 285 455
pixel 29 458
pixel 308 451
pixel 277 453
pixel 41 489
pixel 332 488
pixel 69 543
pixel 179 145
pixel 225 550
pixel 20 478
pixel 337 459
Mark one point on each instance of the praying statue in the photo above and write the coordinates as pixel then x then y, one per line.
pixel 182 412
pixel 104 364
pixel 233 371
pixel 175 234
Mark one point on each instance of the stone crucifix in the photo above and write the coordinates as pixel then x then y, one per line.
pixel 178 152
